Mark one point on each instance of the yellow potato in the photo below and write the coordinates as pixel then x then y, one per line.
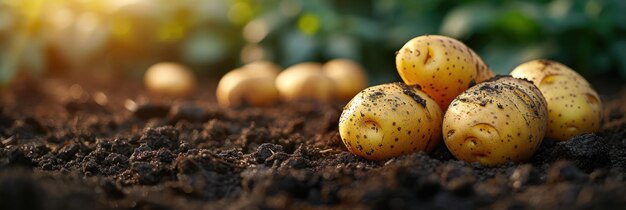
pixel 348 76
pixel 574 107
pixel 443 66
pixel 390 120
pixel 305 81
pixel 502 119
pixel 170 79
pixel 483 71
pixel 247 86
pixel 264 68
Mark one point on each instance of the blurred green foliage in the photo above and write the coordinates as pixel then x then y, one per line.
pixel 214 36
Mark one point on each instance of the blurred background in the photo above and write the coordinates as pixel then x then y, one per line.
pixel 115 38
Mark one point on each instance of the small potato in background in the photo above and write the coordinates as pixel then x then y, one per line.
pixel 252 84
pixel 348 76
pixel 170 79
pixel 574 107
pixel 500 120
pixel 305 81
pixel 263 67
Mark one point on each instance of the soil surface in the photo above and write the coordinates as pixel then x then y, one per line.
pixel 76 144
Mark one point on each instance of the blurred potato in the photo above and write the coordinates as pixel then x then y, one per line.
pixel 348 77
pixel 252 84
pixel 305 81
pixel 171 79
pixel 264 68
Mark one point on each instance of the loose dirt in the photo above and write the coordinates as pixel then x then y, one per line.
pixel 70 144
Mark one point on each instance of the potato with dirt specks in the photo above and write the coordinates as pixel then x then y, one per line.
pixel 500 120
pixel 390 120
pixel 573 105
pixel 305 81
pixel 443 66
pixel 348 76
pixel 250 85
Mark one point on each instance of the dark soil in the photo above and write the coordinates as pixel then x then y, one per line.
pixel 109 145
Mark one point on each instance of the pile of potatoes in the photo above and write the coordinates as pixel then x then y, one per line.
pixel 450 92
pixel 263 83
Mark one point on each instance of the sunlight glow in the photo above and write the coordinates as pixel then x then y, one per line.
pixel 309 24
pixel 240 13
pixel 31 11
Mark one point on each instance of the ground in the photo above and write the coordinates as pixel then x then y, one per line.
pixel 76 144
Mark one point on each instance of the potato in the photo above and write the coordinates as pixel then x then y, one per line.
pixel 443 66
pixel 171 79
pixel 483 71
pixel 390 120
pixel 248 85
pixel 573 105
pixel 305 81
pixel 264 68
pixel 502 119
pixel 348 76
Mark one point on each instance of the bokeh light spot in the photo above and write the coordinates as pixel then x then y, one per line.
pixel 170 31
pixel 309 24
pixel 122 28
pixel 255 31
pixel 240 13
pixel 251 53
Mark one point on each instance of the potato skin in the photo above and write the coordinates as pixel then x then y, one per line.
pixel 262 67
pixel 305 81
pixel 171 79
pixel 390 120
pixel 443 66
pixel 502 119
pixel 247 86
pixel 348 76
pixel 574 107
